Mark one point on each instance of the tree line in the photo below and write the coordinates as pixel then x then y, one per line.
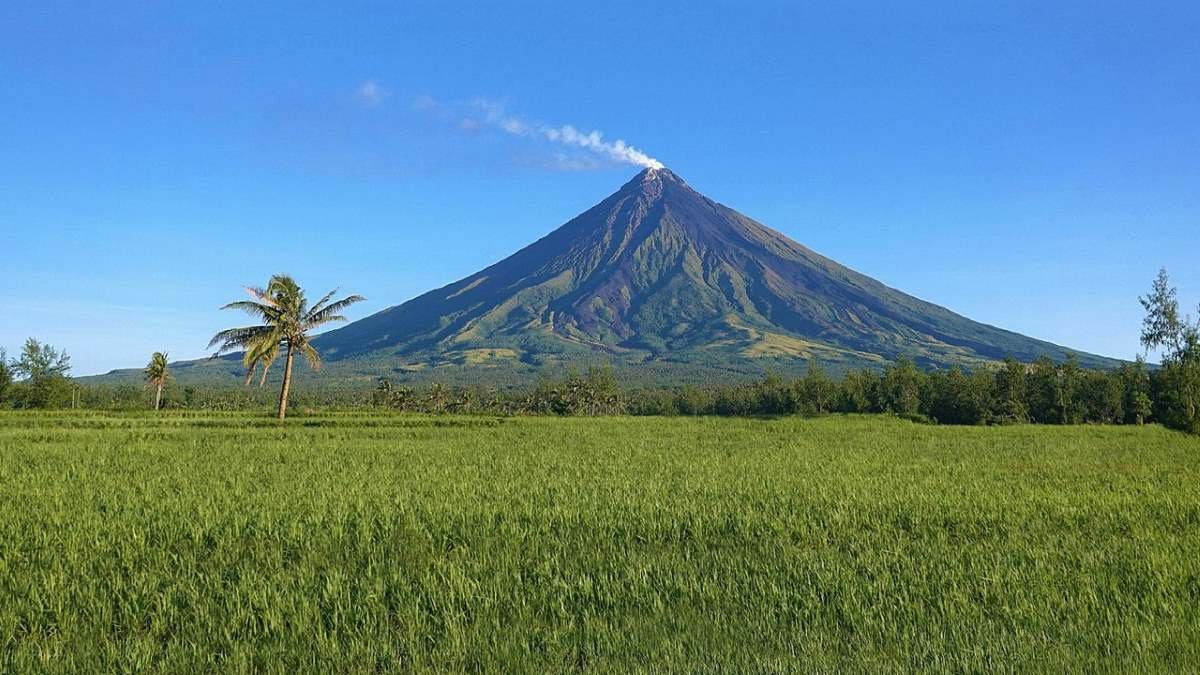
pixel 1043 392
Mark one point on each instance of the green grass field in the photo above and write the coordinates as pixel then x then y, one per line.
pixel 355 543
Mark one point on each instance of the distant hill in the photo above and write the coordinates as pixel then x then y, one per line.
pixel 667 285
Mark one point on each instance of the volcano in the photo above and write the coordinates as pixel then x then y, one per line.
pixel 661 277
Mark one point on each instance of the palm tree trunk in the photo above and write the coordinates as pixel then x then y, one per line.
pixel 287 384
pixel 158 395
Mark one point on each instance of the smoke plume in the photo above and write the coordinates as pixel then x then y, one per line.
pixel 488 113
pixel 594 141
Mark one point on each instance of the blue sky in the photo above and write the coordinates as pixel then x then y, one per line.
pixel 1030 165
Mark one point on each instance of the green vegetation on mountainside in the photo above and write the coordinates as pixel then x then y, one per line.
pixel 669 287
pixel 659 274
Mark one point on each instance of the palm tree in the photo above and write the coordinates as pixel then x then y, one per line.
pixel 157 374
pixel 286 322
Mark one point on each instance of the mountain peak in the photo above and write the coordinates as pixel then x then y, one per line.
pixel 651 182
pixel 657 273
pixel 658 173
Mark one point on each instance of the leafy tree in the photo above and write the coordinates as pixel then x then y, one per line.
pixel 157 373
pixel 1162 326
pixel 1042 391
pixel 287 320
pixel 817 394
pixel 1177 384
pixel 857 391
pixel 774 396
pixel 1102 397
pixel 44 370
pixel 1141 407
pixel 6 375
pixel 1069 402
pixel 602 396
pixel 900 388
pixel 1008 393
pixel 654 402
pixel 736 401
pixel 1135 385
pixel 40 360
pixel 980 386
pixel 957 398
pixel 128 397
pixel 1053 391
pixel 693 400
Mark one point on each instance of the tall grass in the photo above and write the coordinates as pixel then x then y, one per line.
pixel 356 543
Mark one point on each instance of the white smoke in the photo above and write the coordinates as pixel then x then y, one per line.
pixel 594 141
pixel 485 112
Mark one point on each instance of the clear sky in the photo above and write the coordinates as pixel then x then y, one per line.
pixel 1029 165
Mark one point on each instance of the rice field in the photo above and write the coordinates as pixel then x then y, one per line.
pixel 385 543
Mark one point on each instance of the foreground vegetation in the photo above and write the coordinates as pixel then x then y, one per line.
pixel 1012 392
pixel 360 542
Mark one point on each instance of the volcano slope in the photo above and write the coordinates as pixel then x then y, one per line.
pixel 659 276
pixel 667 286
